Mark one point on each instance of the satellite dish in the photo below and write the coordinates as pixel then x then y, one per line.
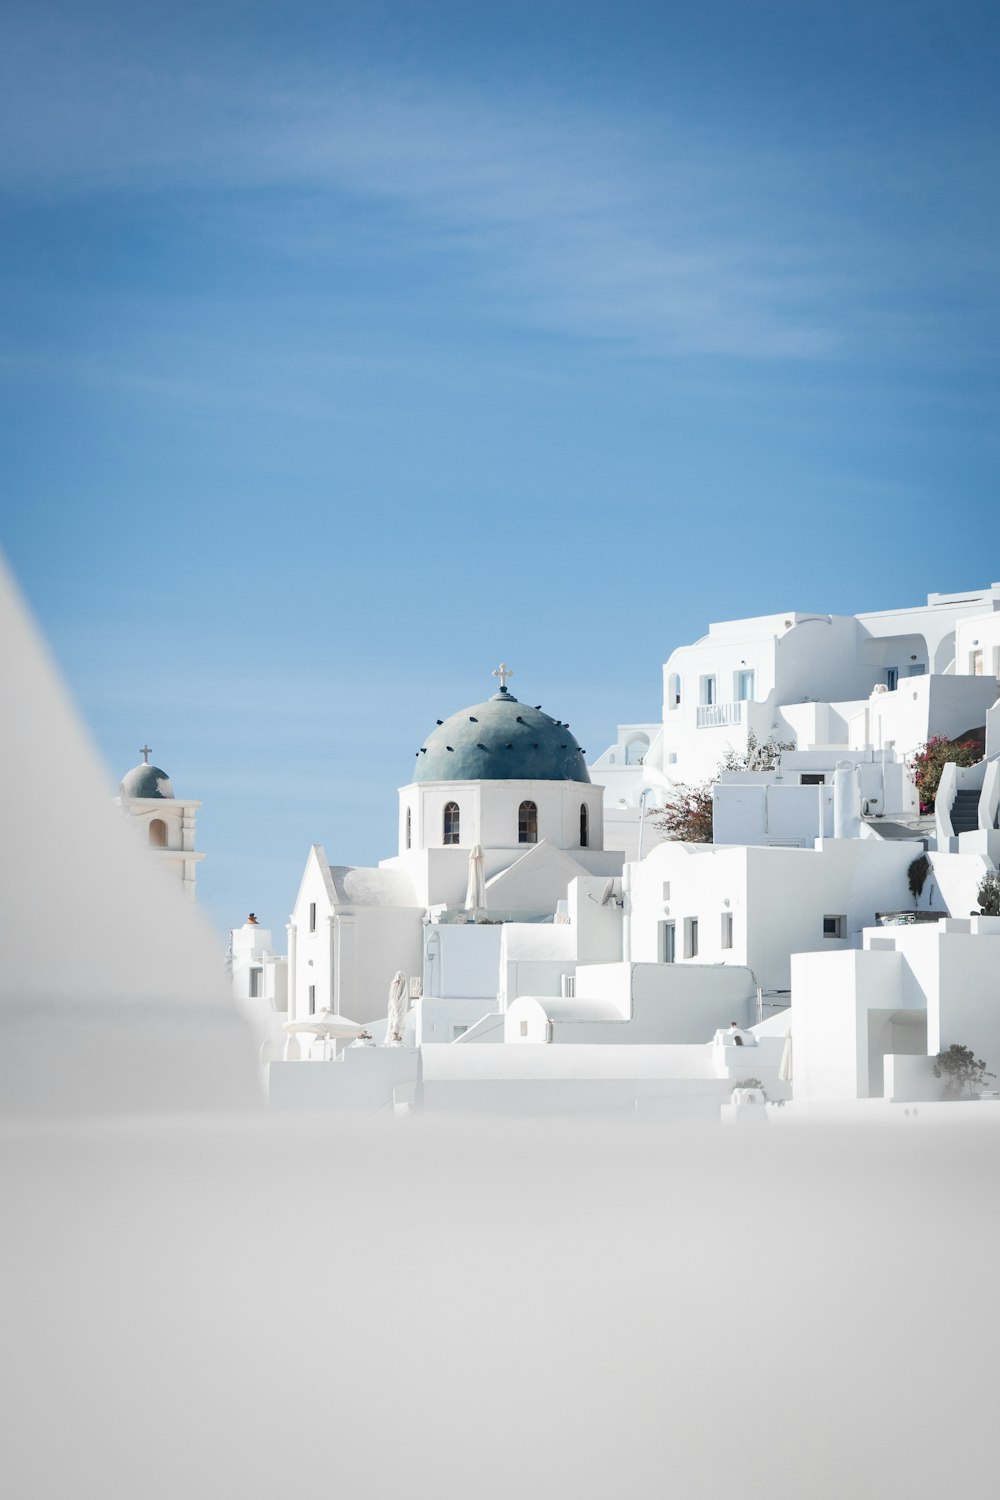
pixel 608 893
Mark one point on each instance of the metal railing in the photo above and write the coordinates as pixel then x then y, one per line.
pixel 715 715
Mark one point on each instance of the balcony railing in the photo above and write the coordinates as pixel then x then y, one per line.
pixel 716 715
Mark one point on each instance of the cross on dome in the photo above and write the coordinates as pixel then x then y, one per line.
pixel 145 751
pixel 503 672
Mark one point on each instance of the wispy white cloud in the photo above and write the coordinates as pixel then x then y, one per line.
pixel 637 231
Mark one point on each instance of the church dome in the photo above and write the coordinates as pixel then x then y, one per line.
pixel 145 781
pixel 500 740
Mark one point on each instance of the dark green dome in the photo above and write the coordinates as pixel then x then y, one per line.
pixel 500 740
pixel 146 781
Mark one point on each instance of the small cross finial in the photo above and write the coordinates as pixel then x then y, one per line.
pixel 145 751
pixel 503 672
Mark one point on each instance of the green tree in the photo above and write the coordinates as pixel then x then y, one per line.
pixel 916 875
pixel 965 1074
pixel 988 895
pixel 930 760
pixel 686 814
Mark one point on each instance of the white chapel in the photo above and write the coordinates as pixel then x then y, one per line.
pixel 498 818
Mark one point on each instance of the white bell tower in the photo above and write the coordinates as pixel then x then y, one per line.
pixel 166 822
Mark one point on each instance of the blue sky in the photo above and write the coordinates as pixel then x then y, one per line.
pixel 348 349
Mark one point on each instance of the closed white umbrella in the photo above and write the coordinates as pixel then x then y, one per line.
pixel 398 1005
pixel 785 1065
pixel 475 895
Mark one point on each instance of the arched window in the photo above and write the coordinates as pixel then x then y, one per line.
pixel 451 823
pixel 409 828
pixel 584 825
pixel 527 823
pixel 158 833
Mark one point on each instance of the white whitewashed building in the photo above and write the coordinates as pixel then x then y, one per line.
pixel 547 972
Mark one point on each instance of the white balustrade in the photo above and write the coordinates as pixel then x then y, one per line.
pixel 716 715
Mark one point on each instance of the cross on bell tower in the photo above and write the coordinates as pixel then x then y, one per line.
pixel 503 672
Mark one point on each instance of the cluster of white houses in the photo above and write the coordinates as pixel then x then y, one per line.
pixel 546 949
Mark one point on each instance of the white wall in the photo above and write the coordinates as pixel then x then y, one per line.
pixel 790 891
pixel 462 960
pixel 922 707
pixel 831 999
pixel 777 898
pixel 355 950
pixel 935 622
pixel 746 811
pixel 975 638
pixel 488 813
pixel 533 958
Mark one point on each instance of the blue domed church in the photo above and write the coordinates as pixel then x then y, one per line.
pixel 500 830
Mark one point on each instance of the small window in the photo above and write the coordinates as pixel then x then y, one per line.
pixel 727 929
pixel 584 825
pixel 312 916
pixel 691 936
pixel 457 1031
pixel 892 678
pixel 707 691
pixel 409 828
pixel 674 690
pixel 744 685
pixel 524 1028
pixel 834 927
pixel 976 663
pixel 668 943
pixel 527 823
pixel 312 999
pixel 451 823
pixel 256 988
pixel 812 778
pixel 666 890
pixel 158 833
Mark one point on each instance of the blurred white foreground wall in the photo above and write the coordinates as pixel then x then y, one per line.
pixel 112 993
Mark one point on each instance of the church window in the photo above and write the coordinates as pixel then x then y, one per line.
pixel 584 825
pixel 158 833
pixel 527 823
pixel 256 976
pixel 451 823
pixel 409 828
pixel 312 916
